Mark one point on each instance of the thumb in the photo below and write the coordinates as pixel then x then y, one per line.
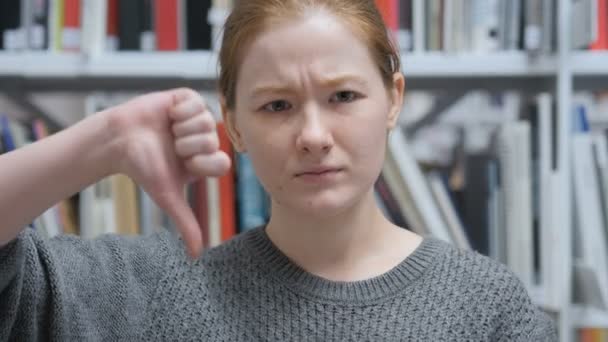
pixel 174 203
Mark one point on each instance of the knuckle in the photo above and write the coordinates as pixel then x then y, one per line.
pixel 209 144
pixel 207 123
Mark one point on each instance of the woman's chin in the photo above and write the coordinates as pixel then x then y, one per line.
pixel 323 207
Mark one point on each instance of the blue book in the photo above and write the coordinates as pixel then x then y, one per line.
pixel 7 137
pixel 252 200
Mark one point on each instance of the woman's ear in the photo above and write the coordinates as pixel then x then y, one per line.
pixel 396 94
pixel 231 126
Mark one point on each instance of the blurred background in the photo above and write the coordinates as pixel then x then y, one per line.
pixel 502 146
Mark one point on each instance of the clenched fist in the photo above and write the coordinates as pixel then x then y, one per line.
pixel 167 139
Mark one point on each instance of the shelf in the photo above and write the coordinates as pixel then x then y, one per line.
pixel 42 71
pixel 471 65
pixel 589 63
pixel 587 317
pixel 590 70
pixel 195 65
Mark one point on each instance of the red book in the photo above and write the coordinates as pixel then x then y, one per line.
pixel 602 26
pixel 70 38
pixel 227 188
pixel 166 20
pixel 112 25
pixel 390 13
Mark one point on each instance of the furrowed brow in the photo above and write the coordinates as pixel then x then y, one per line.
pixel 330 82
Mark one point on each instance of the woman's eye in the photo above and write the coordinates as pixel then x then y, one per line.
pixel 344 96
pixel 277 106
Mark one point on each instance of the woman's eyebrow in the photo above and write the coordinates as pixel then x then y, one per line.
pixel 271 88
pixel 334 81
pixel 328 82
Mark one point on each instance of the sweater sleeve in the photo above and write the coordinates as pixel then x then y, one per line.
pixel 521 320
pixel 68 288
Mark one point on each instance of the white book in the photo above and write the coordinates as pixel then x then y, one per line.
pixel 416 183
pixel 592 247
pixel 550 241
pixel 94 27
pixel 448 34
pixel 601 160
pixel 213 211
pixel 584 14
pixel 485 20
pixel 151 216
pixel 390 172
pixel 418 25
pixel 515 166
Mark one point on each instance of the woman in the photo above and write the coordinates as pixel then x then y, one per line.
pixel 310 89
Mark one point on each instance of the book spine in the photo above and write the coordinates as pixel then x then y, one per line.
pixel 70 38
pixel 166 13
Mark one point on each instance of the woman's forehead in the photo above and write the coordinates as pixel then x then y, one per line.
pixel 309 45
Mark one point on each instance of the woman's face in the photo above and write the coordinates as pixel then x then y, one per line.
pixel 313 113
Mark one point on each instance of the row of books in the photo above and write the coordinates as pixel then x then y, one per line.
pixel 487 198
pixel 455 26
pixel 498 157
pixel 93 26
pixel 470 25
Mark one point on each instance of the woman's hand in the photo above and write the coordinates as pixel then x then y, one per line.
pixel 165 140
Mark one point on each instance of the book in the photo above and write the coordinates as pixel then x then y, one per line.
pixel 591 236
pixel 71 31
pixel 416 185
pixel 130 18
pixel 514 157
pixel 166 21
pixel 251 196
pixel 227 188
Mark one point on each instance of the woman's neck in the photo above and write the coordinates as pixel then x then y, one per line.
pixel 357 244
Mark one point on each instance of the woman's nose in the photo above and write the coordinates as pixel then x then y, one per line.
pixel 314 135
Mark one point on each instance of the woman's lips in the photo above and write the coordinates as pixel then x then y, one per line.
pixel 319 175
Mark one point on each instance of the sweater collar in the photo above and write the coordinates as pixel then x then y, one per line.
pixel 284 271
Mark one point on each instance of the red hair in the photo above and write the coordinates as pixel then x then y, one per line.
pixel 249 18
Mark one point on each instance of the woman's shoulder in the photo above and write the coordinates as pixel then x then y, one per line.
pixel 488 285
pixel 234 250
pixel 473 275
pixel 471 265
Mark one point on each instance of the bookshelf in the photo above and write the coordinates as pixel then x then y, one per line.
pixel 134 70
pixel 561 72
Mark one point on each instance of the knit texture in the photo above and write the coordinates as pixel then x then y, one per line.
pixel 145 288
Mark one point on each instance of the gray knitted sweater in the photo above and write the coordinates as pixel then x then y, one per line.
pixel 145 288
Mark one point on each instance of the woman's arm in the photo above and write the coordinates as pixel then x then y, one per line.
pixel 72 289
pixel 69 288
pixel 35 177
pixel 161 140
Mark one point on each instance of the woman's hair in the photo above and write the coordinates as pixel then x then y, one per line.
pixel 249 18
